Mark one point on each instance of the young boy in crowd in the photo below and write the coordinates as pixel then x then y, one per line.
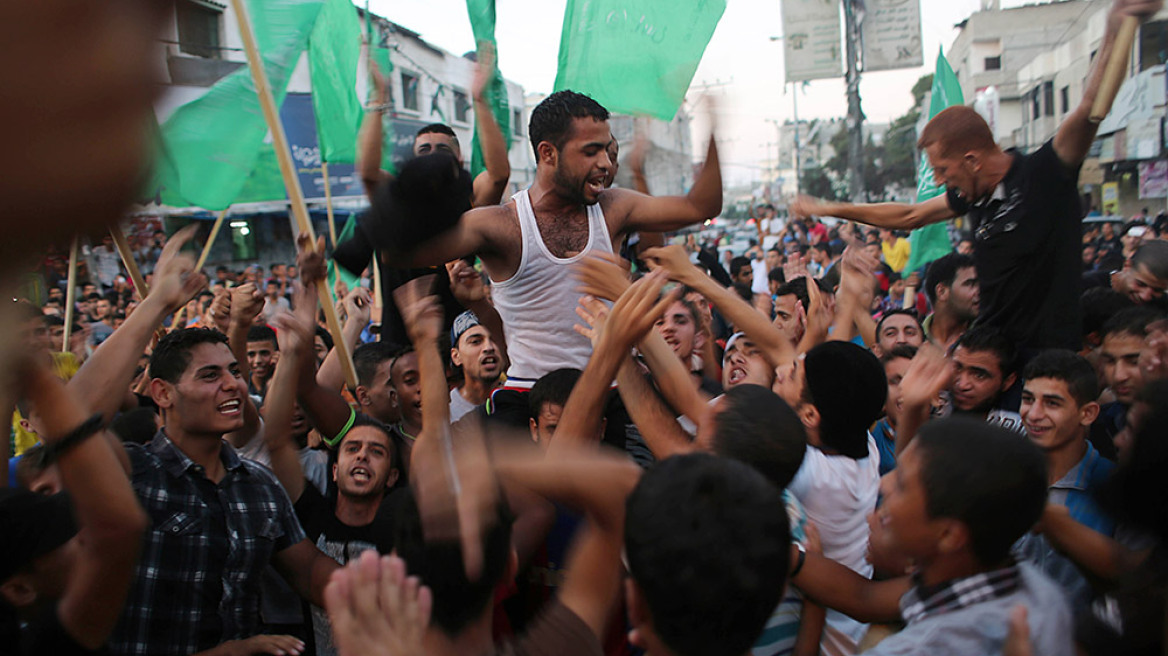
pixel 961 494
pixel 1058 407
pixel 896 363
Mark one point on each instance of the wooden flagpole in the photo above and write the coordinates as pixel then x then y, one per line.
pixel 328 203
pixel 70 295
pixel 291 182
pixel 123 245
pixel 1116 71
pixel 210 240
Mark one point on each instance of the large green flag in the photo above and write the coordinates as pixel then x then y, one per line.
pixel 213 143
pixel 482 23
pixel 334 48
pixel 635 56
pixel 932 241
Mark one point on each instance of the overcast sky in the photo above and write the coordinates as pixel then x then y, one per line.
pixel 740 54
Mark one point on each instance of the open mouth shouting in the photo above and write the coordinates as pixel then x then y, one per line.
pixel 232 408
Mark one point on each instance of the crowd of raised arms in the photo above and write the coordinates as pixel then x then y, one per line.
pixel 573 429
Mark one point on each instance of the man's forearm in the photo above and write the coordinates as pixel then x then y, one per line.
pixel 494 148
pixel 706 193
pixel 675 382
pixel 659 428
pixel 435 394
pixel 835 586
pixel 580 422
pixel 896 216
pixel 775 347
pixel 369 152
pixel 100 384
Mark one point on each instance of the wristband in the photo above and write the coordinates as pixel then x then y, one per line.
pixel 384 107
pixel 798 563
pixel 341 435
pixel 87 429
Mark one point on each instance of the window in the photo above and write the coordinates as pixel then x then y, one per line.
pixel 1035 110
pixel 1048 98
pixel 517 122
pixel 1065 99
pixel 198 28
pixel 1153 44
pixel 409 83
pixel 461 107
pixel 993 63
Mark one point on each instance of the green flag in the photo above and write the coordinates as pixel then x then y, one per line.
pixel 213 142
pixel 635 56
pixel 334 48
pixel 349 279
pixel 482 23
pixel 932 241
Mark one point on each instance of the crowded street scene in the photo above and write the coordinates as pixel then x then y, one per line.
pixel 321 339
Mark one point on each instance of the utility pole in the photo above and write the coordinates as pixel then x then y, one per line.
pixel 855 119
pixel 798 146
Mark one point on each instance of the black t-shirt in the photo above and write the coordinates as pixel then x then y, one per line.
pixel 336 539
pixel 48 638
pixel 1028 249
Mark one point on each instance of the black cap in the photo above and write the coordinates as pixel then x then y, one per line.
pixel 32 525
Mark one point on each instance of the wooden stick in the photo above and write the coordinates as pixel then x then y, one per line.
pixel 377 303
pixel 1116 71
pixel 70 295
pixel 123 245
pixel 291 181
pixel 210 240
pixel 328 204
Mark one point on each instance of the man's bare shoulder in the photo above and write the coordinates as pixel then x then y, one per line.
pixel 498 225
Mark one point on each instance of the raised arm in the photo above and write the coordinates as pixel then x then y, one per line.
pixel 663 213
pixel 467 286
pixel 1074 136
pixel 358 304
pixel 110 520
pixel 775 347
pixel 660 429
pixel 372 133
pixel 857 285
pixel 897 216
pixel 101 383
pixel 294 334
pixel 489 185
pixel 472 234
pixel 928 374
pixel 835 586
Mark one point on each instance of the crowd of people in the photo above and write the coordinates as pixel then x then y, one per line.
pixel 567 435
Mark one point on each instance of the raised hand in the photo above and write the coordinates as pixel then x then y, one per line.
pixel 358 305
pixel 246 303
pixel 420 310
pixel 673 259
pixel 375 609
pixel 803 207
pixel 594 314
pixel 484 70
pixel 310 260
pixel 175 278
pixel 602 275
pixel 220 309
pixel 637 310
pixel 928 374
pixel 465 283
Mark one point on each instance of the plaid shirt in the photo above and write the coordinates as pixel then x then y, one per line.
pixel 198 577
pixel 923 601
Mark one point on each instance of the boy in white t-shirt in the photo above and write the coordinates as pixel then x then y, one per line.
pixel 838 390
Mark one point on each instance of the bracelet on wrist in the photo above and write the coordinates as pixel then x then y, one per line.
pixel 87 429
pixel 383 107
pixel 799 562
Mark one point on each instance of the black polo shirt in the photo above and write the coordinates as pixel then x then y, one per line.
pixel 1028 248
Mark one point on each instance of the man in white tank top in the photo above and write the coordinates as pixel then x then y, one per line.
pixel 529 244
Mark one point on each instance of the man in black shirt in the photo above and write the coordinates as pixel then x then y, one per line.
pixel 1024 209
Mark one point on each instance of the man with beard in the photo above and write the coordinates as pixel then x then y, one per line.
pixel 473 350
pixel 366 468
pixel 527 244
pixel 951 284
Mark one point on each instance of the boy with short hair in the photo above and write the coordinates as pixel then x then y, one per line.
pixel 962 493
pixel 548 397
pixel 1058 408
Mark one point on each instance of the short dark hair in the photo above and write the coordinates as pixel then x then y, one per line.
pixel 1153 255
pixel 172 355
pixel 1069 367
pixel 94 296
pixel 437 128
pixel 846 384
pixel 901 352
pixel 325 336
pixel 988 338
pixel 777 275
pixel 457 599
pixel 368 357
pixel 798 288
pixel 396 446
pixel 737 263
pixel 551 120
pixel 758 428
pixel 1134 493
pixel 262 333
pixel 1133 321
pixel 985 477
pixel 136 426
pixel 553 387
pixel 908 312
pixel 943 271
pixel 700 531
pixel 1099 304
